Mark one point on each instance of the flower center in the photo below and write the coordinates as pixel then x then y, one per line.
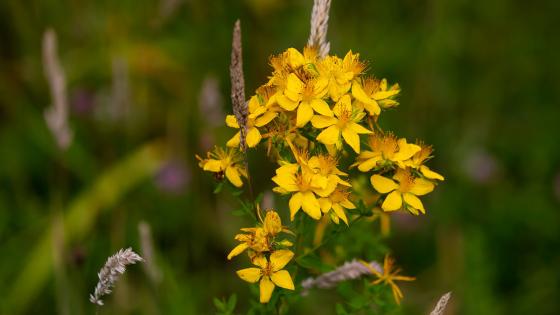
pixel 406 183
pixel 344 118
pixel 303 182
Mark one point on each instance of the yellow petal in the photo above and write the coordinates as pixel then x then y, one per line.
pixel 295 58
pixel 237 250
pixel 373 108
pixel 287 103
pixel 329 136
pixel 295 204
pixel 326 204
pixel 321 107
pixel 359 93
pixel 233 176
pixel 213 165
pixel 429 173
pixel 414 202
pixel 293 84
pixel 352 139
pixel 385 94
pixel 254 103
pixel 347 204
pixel 332 182
pixel 304 114
pixel 421 187
pixel 357 128
pixel 392 202
pixel 368 164
pixel 251 275
pixel 265 119
pixel 340 213
pixel 280 258
pixel 383 184
pixel 234 141
pixel 344 104
pixel 282 279
pixel 321 122
pixel 311 206
pixel 272 223
pixel 266 288
pixel 319 181
pixel 406 150
pixel 231 121
pixel 253 137
pixel 286 182
pixel 257 111
pixel 320 87
pixel 260 260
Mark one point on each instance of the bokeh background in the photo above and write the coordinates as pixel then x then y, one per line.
pixel 148 88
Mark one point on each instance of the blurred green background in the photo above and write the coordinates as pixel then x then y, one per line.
pixel 148 88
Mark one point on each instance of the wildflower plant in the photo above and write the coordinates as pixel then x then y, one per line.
pixel 318 118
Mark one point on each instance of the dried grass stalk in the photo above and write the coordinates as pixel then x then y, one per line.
pixel 147 247
pixel 56 115
pixel 348 271
pixel 319 27
pixel 110 273
pixel 441 304
pixel 238 85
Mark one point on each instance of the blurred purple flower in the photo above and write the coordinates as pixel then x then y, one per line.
pixel 173 177
pixel 210 101
pixel 480 166
pixel 82 102
pixel 406 221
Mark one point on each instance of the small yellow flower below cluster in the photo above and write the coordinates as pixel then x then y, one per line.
pixel 389 276
pixel 262 238
pixel 269 273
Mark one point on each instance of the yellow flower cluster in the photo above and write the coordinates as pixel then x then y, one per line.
pixel 261 243
pixel 316 114
pixel 410 178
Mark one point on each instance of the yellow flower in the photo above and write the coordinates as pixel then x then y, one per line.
pixel 340 72
pixel 389 276
pixel 254 238
pixel 337 202
pixel 269 273
pixel 305 186
pixel 290 61
pixel 417 162
pixel 406 190
pixel 226 163
pixel 384 149
pixel 306 97
pixel 326 166
pixel 259 116
pixel 344 123
pixel 260 239
pixel 373 94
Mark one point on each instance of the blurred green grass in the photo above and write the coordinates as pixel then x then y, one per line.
pixel 479 82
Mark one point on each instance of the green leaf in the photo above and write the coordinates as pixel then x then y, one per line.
pixel 232 301
pixel 219 187
pixel 220 306
pixel 340 310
